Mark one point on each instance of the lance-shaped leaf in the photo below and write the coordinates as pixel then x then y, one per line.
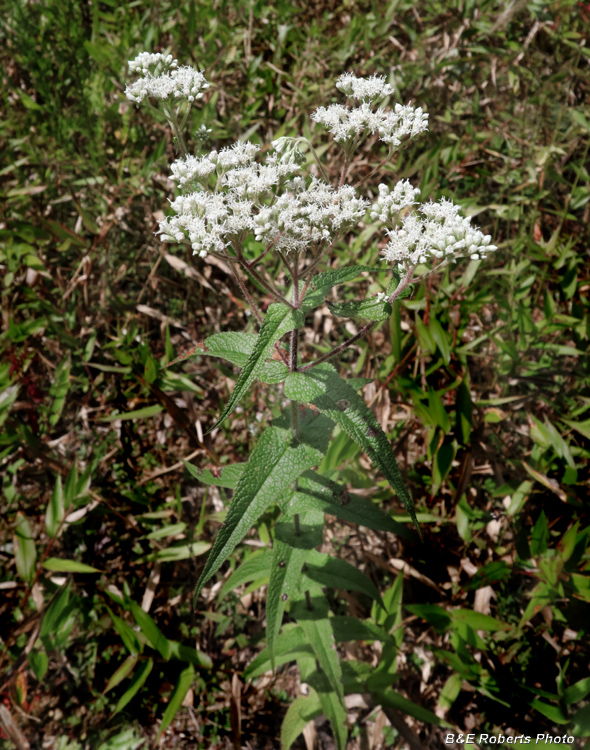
pixel 274 465
pixel 369 309
pixel 316 491
pixel 332 701
pixel 303 710
pixel 338 574
pixel 237 348
pixel 278 320
pixel 333 396
pixel 257 566
pixel 290 550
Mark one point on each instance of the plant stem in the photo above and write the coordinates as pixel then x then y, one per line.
pixel 366 177
pixel 173 120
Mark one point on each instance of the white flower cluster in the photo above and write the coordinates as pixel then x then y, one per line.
pixel 346 124
pixel 300 217
pixel 389 204
pixel 441 234
pixel 161 78
pixel 370 89
pixel 309 215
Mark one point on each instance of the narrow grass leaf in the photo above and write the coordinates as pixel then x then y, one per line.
pixel 55 509
pixel 136 684
pixel 57 564
pixel 25 551
pixel 180 690
pixel 122 671
pixel 151 631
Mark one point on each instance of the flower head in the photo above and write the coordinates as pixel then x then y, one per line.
pixel 161 78
pixel 442 234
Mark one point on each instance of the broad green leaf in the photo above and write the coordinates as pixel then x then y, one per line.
pixel 151 631
pixel 236 347
pixel 303 710
pixel 188 654
pixel 312 615
pixel 438 617
pixel 122 671
pixel 180 690
pixel 369 309
pixel 287 562
pixel 274 465
pixel 228 475
pixel 278 320
pixel 336 399
pixel 332 701
pixel 144 413
pixel 257 566
pixel 55 509
pixel 25 551
pixel 58 391
pixel 68 566
pixel 450 691
pixel 136 684
pixel 316 491
pixel 338 574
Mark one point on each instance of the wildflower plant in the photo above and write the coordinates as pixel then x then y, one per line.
pixel 224 198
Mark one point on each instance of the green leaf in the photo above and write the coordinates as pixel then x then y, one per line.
pixel 257 566
pixel 151 631
pixel 55 509
pixel 237 348
pixel 188 654
pixel 144 413
pixel 450 691
pixel 137 683
pixel 391 699
pixel 316 491
pixel 463 414
pixel 553 713
pixel 338 574
pixel 274 465
pixel 180 552
pixel 228 475
pixel 39 661
pixel 122 671
pixel 287 562
pixel 291 641
pixel 540 536
pixel 369 309
pixel 352 629
pixel 278 320
pixel 303 710
pixel 576 692
pixel 312 615
pixel 58 391
pixel 127 634
pixel 312 672
pixel 336 399
pixel 25 551
pixel 57 564
pixel 58 621
pixel 323 282
pixel 441 340
pixel 181 689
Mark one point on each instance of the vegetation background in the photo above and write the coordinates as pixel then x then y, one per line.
pixel 481 379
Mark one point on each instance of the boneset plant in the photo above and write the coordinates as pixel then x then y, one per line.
pixel 224 199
